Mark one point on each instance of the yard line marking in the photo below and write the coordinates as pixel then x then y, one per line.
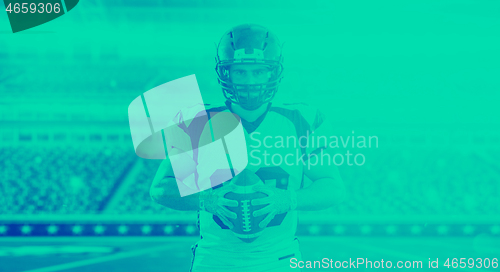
pixel 113 257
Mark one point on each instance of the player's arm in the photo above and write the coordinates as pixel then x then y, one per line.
pixel 165 191
pixel 327 188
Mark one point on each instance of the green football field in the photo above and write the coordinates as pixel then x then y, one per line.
pixel 174 253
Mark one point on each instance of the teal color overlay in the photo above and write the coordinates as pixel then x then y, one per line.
pixel 410 88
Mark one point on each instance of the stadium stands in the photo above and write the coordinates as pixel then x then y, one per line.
pixel 137 199
pixel 36 180
pixel 426 182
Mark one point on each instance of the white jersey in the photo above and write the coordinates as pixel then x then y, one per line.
pixel 278 143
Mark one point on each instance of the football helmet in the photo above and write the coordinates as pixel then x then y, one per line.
pixel 249 44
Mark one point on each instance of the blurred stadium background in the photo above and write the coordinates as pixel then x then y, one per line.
pixel 421 76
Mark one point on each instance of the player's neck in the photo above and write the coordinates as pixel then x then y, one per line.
pixel 249 115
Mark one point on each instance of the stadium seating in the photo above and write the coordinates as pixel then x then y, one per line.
pixel 426 182
pixel 58 180
pixel 137 199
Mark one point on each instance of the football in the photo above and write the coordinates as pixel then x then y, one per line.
pixel 246 226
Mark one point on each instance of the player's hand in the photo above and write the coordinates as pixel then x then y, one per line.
pixel 215 203
pixel 278 200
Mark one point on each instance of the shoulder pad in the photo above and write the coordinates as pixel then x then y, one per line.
pixel 308 112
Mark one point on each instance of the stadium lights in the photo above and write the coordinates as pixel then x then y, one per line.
pixel 99 229
pixel 443 230
pixel 173 229
pixel 416 230
pixel 52 229
pixel 190 229
pixel 314 229
pixel 339 229
pixel 366 230
pixel 391 229
pixel 3 229
pixel 122 229
pixel 146 229
pixel 77 229
pixel 26 229
pixel 495 229
pixel 468 230
pixel 168 229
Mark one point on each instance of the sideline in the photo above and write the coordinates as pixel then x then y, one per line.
pixel 113 257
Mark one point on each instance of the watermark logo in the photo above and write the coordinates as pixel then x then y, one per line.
pixel 324 149
pixel 170 122
pixel 25 14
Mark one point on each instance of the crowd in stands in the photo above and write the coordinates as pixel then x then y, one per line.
pixel 391 182
pixel 58 180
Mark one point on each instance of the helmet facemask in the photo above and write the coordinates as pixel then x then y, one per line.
pixel 249 96
pixel 249 44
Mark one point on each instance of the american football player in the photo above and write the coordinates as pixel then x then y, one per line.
pixel 249 66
